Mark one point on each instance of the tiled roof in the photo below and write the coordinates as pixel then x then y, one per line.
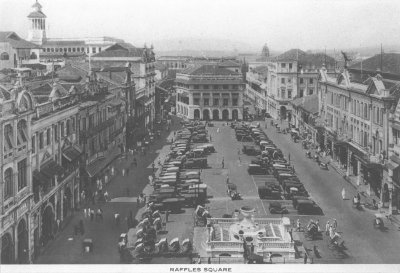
pixel 61 54
pixel 308 103
pixel 69 73
pixel 229 63
pixel 64 43
pixel 36 14
pixel 15 41
pixel 207 69
pixel 390 63
pixel 122 50
pixel 290 55
pixel 261 69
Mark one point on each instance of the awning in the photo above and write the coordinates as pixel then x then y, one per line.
pixel 143 100
pixel 39 178
pixel 101 163
pixel 72 153
pixel 392 165
pixel 340 143
pixel 395 159
pixel 51 169
pixel 396 126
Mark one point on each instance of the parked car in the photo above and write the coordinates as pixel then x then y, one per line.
pixel 308 207
pixel 277 208
pixel 256 169
pixel 196 163
pixel 250 150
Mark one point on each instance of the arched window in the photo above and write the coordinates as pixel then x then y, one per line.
pixel 4 56
pixel 22 132
pixel 8 137
pixel 8 183
pixel 33 56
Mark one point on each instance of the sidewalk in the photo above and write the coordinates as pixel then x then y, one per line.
pixel 366 199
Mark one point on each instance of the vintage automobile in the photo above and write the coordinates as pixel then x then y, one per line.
pixel 308 207
pixel 196 163
pixel 250 150
pixel 256 169
pixel 277 208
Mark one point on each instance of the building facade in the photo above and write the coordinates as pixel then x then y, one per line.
pixel 209 92
pixel 357 126
pixel 293 74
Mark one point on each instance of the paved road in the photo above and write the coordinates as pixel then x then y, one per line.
pixel 365 244
pixel 66 248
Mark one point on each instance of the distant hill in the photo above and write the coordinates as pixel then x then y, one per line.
pixel 218 46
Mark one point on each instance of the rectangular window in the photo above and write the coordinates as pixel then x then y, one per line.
pixel 234 102
pixel 48 137
pixel 91 121
pixel 206 102
pixel 283 94
pixel 216 102
pixel 310 91
pixel 311 81
pixel 93 50
pixel 41 140
pixel 196 101
pixel 283 65
pixel 68 127
pixel 62 133
pixel 282 80
pixel 21 174
pixel 206 86
pixel 33 144
pixel 302 93
pixel 301 80
pixel 289 80
pixel 215 87
pixel 196 86
pixel 225 102
pixel 55 130
pixel 381 123
pixel 83 124
pixel 225 86
pixel 289 94
pixel 290 66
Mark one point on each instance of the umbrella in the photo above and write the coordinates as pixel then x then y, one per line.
pixel 175 240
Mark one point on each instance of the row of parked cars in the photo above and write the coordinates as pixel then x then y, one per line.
pixel 279 180
pixel 177 186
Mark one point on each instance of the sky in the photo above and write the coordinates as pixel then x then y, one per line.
pixel 284 24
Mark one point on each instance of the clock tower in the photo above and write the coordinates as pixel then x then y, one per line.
pixel 37 25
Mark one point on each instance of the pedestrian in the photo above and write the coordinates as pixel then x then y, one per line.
pixel 270 257
pixel 135 161
pixel 331 232
pixel 210 138
pixel 123 171
pixel 334 224
pixel 298 225
pixel 227 179
pixel 59 224
pixel 91 214
pixel 252 248
pixel 291 234
pixel 344 194
pixel 81 227
pixel 223 163
pixel 358 196
pixel 327 228
pixel 166 216
pixel 289 157
pixel 218 130
pixel 305 258
pixel 151 179
pixel 106 196
pixel 116 218
pixel 85 212
pixel 159 162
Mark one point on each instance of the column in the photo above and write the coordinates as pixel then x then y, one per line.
pixel 359 173
pixel 349 154
pixel 55 206
pixel 62 205
pixel 16 258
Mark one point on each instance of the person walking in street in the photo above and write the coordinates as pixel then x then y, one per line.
pixel 305 258
pixel 327 228
pixel 135 161
pixel 223 162
pixel 298 225
pixel 166 216
pixel 289 158
pixel 291 234
pixel 218 130
pixel 123 171
pixel 91 214
pixel 252 248
pixel 106 196
pixel 81 227
pixel 334 224
pixel 227 179
pixel 116 218
pixel 85 212
pixel 210 138
pixel 344 194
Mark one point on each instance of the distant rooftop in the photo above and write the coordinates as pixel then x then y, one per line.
pixel 15 41
pixel 207 69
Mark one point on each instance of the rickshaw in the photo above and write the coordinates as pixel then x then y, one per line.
pixel 378 221
pixel 87 245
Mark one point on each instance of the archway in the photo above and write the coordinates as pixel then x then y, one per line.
pixel 225 114
pixel 47 224
pixel 206 114
pixel 283 112
pixel 235 114
pixel 7 249
pixel 196 114
pixel 67 205
pixel 215 114
pixel 22 234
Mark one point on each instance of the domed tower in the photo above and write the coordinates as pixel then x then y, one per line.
pixel 37 25
pixel 265 51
